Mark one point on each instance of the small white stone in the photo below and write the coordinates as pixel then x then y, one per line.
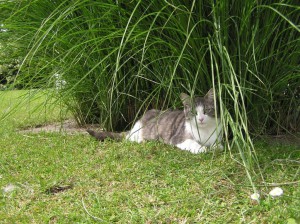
pixel 9 188
pixel 255 196
pixel 276 192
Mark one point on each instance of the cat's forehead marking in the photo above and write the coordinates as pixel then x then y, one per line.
pixel 202 101
pixel 199 101
pixel 200 108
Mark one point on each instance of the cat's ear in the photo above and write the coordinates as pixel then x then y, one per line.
pixel 186 100
pixel 210 95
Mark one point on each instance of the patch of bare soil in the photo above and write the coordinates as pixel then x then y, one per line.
pixel 67 126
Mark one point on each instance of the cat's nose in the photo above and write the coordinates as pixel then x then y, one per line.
pixel 201 119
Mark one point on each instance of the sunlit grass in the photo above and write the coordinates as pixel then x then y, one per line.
pixel 25 108
pixel 138 183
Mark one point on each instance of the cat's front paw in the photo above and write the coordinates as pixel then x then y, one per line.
pixel 198 149
pixel 195 148
pixel 192 146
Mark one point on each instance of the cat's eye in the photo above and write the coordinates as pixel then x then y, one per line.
pixel 207 110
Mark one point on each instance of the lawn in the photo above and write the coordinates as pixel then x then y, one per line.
pixel 63 178
pixel 22 109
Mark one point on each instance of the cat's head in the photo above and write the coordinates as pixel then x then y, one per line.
pixel 201 109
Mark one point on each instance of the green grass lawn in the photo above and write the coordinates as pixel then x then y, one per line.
pixel 63 178
pixel 22 108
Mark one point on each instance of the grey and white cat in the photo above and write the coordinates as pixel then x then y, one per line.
pixel 196 129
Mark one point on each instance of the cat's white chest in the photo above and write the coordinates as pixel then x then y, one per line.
pixel 206 135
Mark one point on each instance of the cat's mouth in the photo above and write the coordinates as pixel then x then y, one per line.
pixel 201 123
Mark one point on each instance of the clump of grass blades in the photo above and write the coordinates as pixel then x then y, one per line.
pixel 119 59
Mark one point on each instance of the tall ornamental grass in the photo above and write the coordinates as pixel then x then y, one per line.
pixel 120 58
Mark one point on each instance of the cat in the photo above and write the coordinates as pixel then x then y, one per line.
pixel 197 128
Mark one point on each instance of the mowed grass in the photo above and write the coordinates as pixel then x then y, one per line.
pixel 23 108
pixel 63 178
